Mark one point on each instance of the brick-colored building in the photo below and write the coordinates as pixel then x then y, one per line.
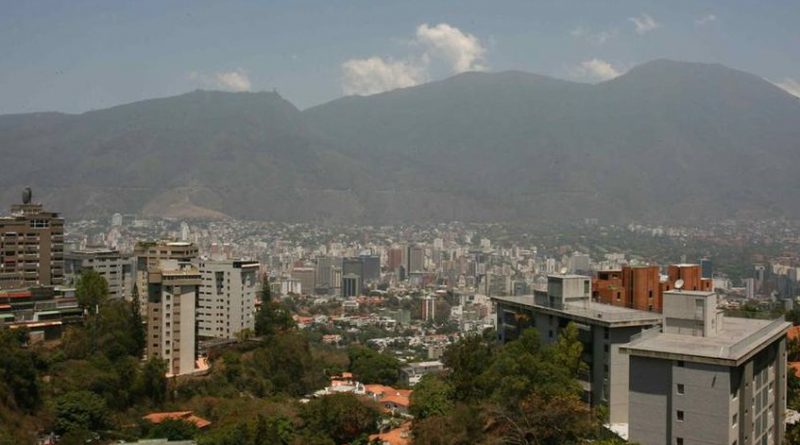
pixel 31 247
pixel 642 288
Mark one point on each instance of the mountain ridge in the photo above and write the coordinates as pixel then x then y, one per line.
pixel 665 140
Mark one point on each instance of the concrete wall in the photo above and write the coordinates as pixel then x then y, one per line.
pixel 649 406
pixel 705 403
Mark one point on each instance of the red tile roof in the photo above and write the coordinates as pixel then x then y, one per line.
pixel 186 416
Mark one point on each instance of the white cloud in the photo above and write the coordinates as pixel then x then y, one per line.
pixel 439 45
pixel 236 80
pixel 233 80
pixel 462 51
pixel 644 24
pixel 594 38
pixel 376 75
pixel 705 20
pixel 791 86
pixel 597 69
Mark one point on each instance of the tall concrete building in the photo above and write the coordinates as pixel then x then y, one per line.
pixel 172 295
pixel 306 275
pixel 324 273
pixel 168 283
pixel 415 259
pixel 351 285
pixel 31 246
pixel 227 297
pixel 116 268
pixel 428 308
pixel 706 268
pixel 602 329
pixel 370 268
pixel 707 379
pixel 149 255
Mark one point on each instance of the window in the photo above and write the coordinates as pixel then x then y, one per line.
pixel 734 419
pixel 680 363
pixel 679 441
pixel 681 388
pixel 680 416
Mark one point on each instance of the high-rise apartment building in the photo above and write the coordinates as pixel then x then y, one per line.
pixel 172 295
pixel 704 378
pixel 149 256
pixel 416 259
pixel 306 276
pixel 227 297
pixel 324 273
pixel 31 246
pixel 428 308
pixel 116 268
pixel 168 283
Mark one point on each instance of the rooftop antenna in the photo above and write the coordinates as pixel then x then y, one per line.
pixel 679 284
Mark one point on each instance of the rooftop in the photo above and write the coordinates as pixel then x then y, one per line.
pixel 738 339
pixel 591 311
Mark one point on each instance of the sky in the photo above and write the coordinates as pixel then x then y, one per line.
pixel 77 56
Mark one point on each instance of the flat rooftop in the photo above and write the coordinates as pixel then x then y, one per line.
pixel 589 311
pixel 739 339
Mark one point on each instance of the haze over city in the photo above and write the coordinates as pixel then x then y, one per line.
pixel 409 223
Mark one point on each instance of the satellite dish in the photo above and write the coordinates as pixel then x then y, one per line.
pixel 564 271
pixel 27 195
pixel 679 284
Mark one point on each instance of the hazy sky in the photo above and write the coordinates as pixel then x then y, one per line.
pixel 79 55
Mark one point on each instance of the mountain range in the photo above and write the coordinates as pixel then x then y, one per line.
pixel 667 141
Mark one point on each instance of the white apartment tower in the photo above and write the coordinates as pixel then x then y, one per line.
pixel 227 297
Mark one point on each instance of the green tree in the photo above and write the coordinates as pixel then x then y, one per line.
pixel 342 417
pixel 524 366
pixel 273 317
pixel 568 350
pixel 173 429
pixel 467 360
pixel 462 426
pixel 538 420
pixel 118 331
pixel 432 396
pixel 272 431
pixel 371 366
pixel 285 365
pixel 153 380
pixel 91 290
pixel 18 371
pixel 80 411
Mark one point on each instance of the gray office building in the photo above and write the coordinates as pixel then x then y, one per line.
pixel 707 379
pixel 603 329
